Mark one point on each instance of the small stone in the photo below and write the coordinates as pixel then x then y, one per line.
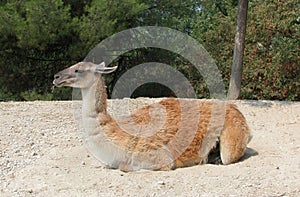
pixel 98 166
pixel 83 163
pixel 12 176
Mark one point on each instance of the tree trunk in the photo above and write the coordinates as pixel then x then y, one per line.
pixel 237 65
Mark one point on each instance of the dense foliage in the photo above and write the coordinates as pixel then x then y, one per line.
pixel 39 38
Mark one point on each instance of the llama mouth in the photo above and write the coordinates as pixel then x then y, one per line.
pixel 61 83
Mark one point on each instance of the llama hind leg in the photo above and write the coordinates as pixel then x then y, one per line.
pixel 233 143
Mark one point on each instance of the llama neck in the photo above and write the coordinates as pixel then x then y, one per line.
pixel 101 96
pixel 94 98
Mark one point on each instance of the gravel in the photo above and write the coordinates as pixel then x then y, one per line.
pixel 42 154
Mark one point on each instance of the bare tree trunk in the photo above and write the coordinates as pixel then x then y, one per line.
pixel 237 65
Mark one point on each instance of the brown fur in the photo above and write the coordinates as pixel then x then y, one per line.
pixel 101 104
pixel 233 139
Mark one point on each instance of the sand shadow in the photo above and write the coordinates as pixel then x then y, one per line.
pixel 259 103
pixel 215 158
pixel 266 103
pixel 249 153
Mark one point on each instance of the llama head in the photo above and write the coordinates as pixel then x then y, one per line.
pixel 81 75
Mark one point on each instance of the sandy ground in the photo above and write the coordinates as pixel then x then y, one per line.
pixel 42 155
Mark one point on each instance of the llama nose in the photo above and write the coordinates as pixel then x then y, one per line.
pixel 57 76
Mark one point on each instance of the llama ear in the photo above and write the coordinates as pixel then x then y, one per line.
pixel 101 68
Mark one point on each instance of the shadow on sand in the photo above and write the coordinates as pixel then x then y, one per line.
pixel 215 158
pixel 249 153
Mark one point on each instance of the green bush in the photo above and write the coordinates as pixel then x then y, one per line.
pixel 39 38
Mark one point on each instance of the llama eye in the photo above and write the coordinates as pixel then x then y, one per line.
pixel 78 71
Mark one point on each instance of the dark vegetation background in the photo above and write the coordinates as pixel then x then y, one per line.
pixel 39 38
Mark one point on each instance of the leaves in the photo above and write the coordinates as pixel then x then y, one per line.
pixel 271 62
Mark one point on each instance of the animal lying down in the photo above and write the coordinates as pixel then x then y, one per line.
pixel 163 136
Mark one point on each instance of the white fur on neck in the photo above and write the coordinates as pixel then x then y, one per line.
pixel 88 109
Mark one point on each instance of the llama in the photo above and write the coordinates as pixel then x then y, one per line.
pixel 189 129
